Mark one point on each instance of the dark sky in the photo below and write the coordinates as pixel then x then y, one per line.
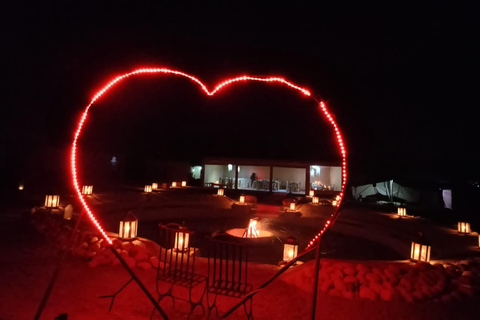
pixel 399 78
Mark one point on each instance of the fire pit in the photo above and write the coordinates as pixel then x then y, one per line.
pixel 252 233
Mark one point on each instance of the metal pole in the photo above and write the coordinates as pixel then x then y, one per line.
pixel 141 285
pixel 51 284
pixel 315 286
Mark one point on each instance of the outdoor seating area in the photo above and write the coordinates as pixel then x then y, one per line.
pixel 200 272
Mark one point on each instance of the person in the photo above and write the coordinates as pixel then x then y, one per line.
pixel 252 179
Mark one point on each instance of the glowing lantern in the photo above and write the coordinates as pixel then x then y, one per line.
pixel 52 201
pixel 464 227
pixel 334 203
pixel 290 249
pixel 221 192
pixel 242 199
pixel 20 187
pixel 181 239
pixel 402 212
pixel 311 193
pixel 420 250
pixel 154 186
pixel 292 206
pixel 87 189
pixel 148 188
pixel 174 184
pixel 315 200
pixel 128 227
pixel 68 213
pixel 184 183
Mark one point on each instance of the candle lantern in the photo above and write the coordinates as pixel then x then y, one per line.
pixel 20 187
pixel 220 192
pixel 315 200
pixel 420 250
pixel 290 249
pixel 128 227
pixel 174 184
pixel 184 183
pixel 68 213
pixel 87 189
pixel 337 198
pixel 402 212
pixel 464 227
pixel 148 188
pixel 311 193
pixel 182 237
pixel 292 206
pixel 242 199
pixel 154 186
pixel 52 201
pixel 334 203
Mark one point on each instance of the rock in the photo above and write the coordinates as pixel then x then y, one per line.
pixel 155 262
pixel 423 266
pixel 335 292
pixel 378 271
pixel 377 287
pixel 142 256
pixel 93 263
pixel 418 295
pixel 93 246
pixel 367 293
pixel 348 294
pixel 350 279
pixel 405 283
pixel 349 270
pixel 373 277
pixel 361 278
pixel 466 290
pixel 127 245
pixel 131 262
pixel 339 284
pixel 94 239
pixel 326 285
pixel 145 265
pixel 361 268
pixel 386 294
pixel 117 243
pixel 404 294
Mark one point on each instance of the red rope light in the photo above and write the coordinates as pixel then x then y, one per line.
pixel 217 88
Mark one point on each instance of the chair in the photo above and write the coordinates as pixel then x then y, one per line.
pixel 176 266
pixel 227 271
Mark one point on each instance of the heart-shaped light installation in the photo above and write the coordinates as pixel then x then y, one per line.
pixel 217 88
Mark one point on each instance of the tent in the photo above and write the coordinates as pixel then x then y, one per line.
pixel 390 191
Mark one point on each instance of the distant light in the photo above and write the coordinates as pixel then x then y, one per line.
pixel 20 187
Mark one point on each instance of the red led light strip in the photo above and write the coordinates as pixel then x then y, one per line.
pixel 210 93
pixel 329 223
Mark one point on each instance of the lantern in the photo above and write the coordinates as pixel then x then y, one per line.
pixel 20 187
pixel 290 249
pixel 420 250
pixel 181 239
pixel 337 198
pixel 68 213
pixel 292 206
pixel 402 212
pixel 128 227
pixel 87 189
pixel 154 186
pixel 52 201
pixel 184 183
pixel 311 193
pixel 174 184
pixel 221 192
pixel 242 199
pixel 315 200
pixel 334 203
pixel 148 188
pixel 464 227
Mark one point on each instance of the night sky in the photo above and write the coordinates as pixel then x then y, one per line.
pixel 399 78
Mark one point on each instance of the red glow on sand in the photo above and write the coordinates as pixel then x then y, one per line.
pixel 217 88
